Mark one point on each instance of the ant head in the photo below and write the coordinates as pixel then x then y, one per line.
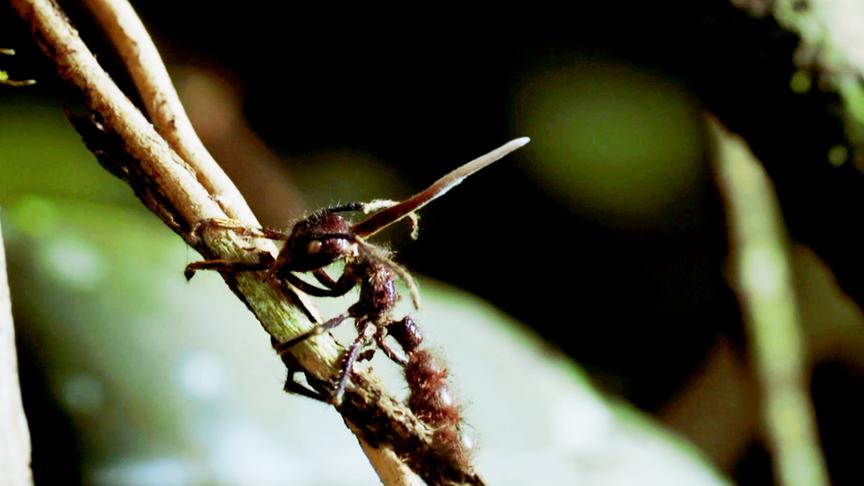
pixel 318 241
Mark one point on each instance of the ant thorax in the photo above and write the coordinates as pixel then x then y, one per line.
pixel 326 237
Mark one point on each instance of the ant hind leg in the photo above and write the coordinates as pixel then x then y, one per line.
pixel 282 348
pixel 381 339
pixel 226 265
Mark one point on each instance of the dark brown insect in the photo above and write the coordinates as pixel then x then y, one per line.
pixel 430 396
pixel 326 237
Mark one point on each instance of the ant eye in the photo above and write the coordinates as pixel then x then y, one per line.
pixel 313 247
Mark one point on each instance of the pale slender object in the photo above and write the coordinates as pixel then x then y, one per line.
pixel 163 105
pixel 392 214
pixel 14 435
pixel 763 283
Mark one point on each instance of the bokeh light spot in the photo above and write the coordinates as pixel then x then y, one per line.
pixel 83 393
pixel 618 144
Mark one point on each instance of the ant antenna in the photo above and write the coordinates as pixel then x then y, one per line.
pixel 392 214
pixel 373 253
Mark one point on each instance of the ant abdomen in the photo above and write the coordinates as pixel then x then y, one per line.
pixel 432 401
pixel 430 398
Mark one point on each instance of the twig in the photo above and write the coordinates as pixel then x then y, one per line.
pixel 126 143
pixel 162 104
pixel 4 77
pixel 762 277
pixel 14 436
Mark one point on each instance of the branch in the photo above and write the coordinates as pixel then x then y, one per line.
pixel 128 145
pixel 163 106
pixel 763 283
pixel 14 436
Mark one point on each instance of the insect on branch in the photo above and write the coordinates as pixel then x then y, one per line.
pixel 326 237
pixel 125 141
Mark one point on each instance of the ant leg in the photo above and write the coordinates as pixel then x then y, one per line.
pixel 281 348
pixel 295 387
pixel 338 288
pixel 393 354
pixel 350 359
pixel 366 355
pixel 226 265
pixel 292 385
pixel 314 291
pixel 323 278
pixel 344 208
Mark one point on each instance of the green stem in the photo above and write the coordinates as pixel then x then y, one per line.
pixel 763 282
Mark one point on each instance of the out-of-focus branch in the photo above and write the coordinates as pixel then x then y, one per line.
pixel 126 144
pixel 763 283
pixel 14 436
pixel 786 76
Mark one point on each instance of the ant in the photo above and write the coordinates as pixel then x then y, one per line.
pixel 326 237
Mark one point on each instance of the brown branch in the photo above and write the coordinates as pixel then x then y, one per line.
pixel 14 436
pixel 127 144
pixel 162 104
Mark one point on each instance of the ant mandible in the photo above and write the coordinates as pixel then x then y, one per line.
pixel 326 237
